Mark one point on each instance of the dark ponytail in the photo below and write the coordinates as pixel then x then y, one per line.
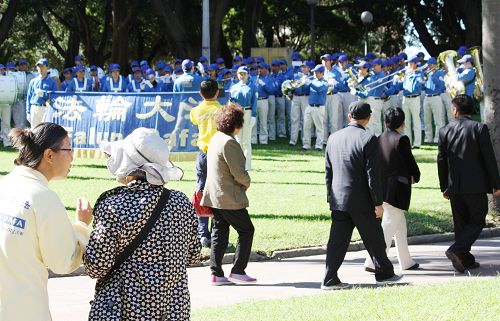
pixel 31 143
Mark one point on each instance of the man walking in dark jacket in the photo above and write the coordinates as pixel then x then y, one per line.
pixel 467 172
pixel 355 195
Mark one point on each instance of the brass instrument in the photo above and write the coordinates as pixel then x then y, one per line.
pixel 353 82
pixel 288 86
pixel 479 87
pixel 448 58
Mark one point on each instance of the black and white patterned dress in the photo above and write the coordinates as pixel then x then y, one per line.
pixel 151 284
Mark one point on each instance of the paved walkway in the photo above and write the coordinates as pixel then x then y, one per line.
pixel 69 296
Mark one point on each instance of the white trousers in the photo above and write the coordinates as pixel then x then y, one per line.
pixel 375 123
pixel 299 105
pixel 5 114
pixel 37 115
pixel 314 115
pixel 261 125
pixel 280 117
pixel 446 99
pixel 288 112
pixel 394 224
pixel 271 117
pixel 392 102
pixel 333 119
pixel 346 99
pixel 413 129
pixel 433 114
pixel 19 114
pixel 244 137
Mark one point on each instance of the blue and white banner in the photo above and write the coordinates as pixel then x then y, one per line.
pixel 93 117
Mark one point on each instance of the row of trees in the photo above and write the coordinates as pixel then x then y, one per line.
pixel 121 30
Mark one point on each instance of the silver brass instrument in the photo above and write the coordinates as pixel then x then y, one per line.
pixel 479 87
pixel 454 87
pixel 353 82
pixel 288 86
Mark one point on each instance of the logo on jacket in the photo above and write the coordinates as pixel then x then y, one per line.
pixel 12 221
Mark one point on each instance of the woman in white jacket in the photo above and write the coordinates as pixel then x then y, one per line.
pixel 35 232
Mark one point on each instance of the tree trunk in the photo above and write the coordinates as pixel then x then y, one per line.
pixel 491 69
pixel 219 9
pixel 250 26
pixel 124 16
pixel 8 19
pixel 73 48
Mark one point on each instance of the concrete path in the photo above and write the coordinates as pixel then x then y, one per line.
pixel 69 296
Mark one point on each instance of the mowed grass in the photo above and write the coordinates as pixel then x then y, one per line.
pixel 287 195
pixel 475 299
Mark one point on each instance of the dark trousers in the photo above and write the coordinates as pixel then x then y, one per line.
pixel 469 218
pixel 372 235
pixel 240 221
pixel 201 179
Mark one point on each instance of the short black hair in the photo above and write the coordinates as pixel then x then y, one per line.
pixel 208 88
pixel 394 118
pixel 230 118
pixel 464 104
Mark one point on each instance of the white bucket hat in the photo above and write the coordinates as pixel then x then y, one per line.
pixel 142 150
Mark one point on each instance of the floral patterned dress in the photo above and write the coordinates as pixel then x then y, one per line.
pixel 152 283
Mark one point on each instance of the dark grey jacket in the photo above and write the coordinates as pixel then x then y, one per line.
pixel 353 179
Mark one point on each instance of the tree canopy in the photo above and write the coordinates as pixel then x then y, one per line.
pixel 122 30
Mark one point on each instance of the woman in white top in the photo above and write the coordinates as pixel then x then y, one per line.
pixel 35 232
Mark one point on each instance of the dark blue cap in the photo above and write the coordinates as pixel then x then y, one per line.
pixel 432 61
pixel 462 50
pixel 22 61
pixel 225 71
pixel 213 67
pixel 134 63
pixel 237 58
pixel 160 64
pixel 343 58
pixel 42 61
pixel 187 64
pixel 311 64
pixel 150 72
pixel 319 68
pixel 296 56
pixel 260 60
pixel 363 64
pixel 136 69
pixel 168 68
pixel 327 57
pixel 283 62
pixel 202 59
pixel 219 60
pixel 78 58
pixel 178 69
pixel 11 65
pixel 264 65
pixel 377 61
pixel 420 54
pixel 114 67
pixel 370 56
pixel 178 61
pixel 275 63
pixel 143 63
pixel 403 56
pixel 65 70
pixel 78 68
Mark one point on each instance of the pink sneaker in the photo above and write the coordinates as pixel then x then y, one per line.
pixel 241 278
pixel 220 280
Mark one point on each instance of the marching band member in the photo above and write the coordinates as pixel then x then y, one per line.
pixel 467 75
pixel 68 76
pixel 137 84
pixel 94 77
pixel 116 82
pixel 79 83
pixel 315 111
pixel 412 88
pixel 300 101
pixel 343 91
pixel 265 87
pixel 19 108
pixel 433 105
pixel 38 93
pixel 446 98
pixel 244 93
pixel 5 114
pixel 151 84
pixel 271 115
pixel 287 74
pixel 333 119
pixel 376 97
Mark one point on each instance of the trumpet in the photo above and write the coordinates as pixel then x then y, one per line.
pixel 353 82
pixel 288 86
pixel 385 77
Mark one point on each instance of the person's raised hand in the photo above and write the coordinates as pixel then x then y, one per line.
pixel 379 210
pixel 496 192
pixel 446 195
pixel 84 211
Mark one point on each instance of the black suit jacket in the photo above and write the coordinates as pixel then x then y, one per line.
pixel 398 166
pixel 466 161
pixel 353 170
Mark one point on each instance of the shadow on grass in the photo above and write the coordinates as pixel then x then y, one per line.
pixel 425 187
pixel 428 222
pixel 89 178
pixel 90 166
pixel 287 183
pixel 269 159
pixel 317 285
pixel 299 217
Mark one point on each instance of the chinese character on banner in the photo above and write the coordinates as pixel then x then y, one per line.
pixel 157 105
pixel 69 108
pixel 110 108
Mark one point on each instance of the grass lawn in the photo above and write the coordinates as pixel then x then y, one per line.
pixel 460 300
pixel 287 196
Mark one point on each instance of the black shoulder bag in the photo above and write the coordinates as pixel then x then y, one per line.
pixel 134 244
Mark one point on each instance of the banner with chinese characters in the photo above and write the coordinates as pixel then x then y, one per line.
pixel 92 117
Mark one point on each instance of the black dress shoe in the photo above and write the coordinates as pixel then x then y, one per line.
pixel 474 265
pixel 414 267
pixel 369 269
pixel 455 261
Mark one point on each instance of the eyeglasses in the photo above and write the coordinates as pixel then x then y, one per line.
pixel 65 149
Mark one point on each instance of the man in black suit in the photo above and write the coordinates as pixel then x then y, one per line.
pixel 355 196
pixel 467 172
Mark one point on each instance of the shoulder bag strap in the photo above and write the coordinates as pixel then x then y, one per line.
pixel 134 244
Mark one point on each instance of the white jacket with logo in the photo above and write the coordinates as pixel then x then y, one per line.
pixel 35 233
